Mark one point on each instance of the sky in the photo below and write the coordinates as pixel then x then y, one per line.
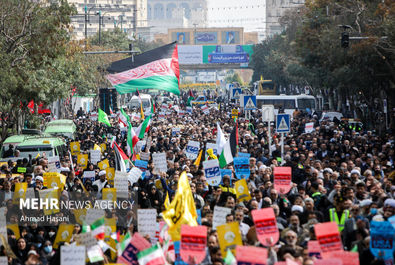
pixel 249 14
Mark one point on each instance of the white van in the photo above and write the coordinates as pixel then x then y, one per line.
pixel 134 103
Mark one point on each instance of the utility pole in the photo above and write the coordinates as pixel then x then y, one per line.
pixel 100 19
pixel 86 25
pixel 194 33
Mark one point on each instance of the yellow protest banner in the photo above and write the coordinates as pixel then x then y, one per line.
pixel 103 164
pixel 229 237
pixel 242 192
pixel 82 159
pixel 110 173
pixel 75 148
pixel 19 192
pixel 110 226
pixel 109 194
pixel 64 234
pixel 158 184
pixel 103 147
pixel 15 229
pixel 182 209
pixel 79 215
pixel 47 195
pixel 52 180
pixel 96 147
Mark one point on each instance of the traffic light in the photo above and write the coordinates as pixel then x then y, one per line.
pixel 345 40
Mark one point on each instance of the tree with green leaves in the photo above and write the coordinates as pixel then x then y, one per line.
pixel 38 61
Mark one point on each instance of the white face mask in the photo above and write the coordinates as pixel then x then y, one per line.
pixel 51 234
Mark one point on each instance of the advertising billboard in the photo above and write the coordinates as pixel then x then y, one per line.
pixel 206 38
pixel 238 54
pixel 215 54
pixel 190 54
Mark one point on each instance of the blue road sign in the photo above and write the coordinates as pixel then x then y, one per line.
pixel 283 123
pixel 249 102
pixel 236 92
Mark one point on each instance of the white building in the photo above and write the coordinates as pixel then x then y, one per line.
pixel 166 14
pixel 128 15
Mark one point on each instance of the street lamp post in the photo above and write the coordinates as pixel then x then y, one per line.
pixel 86 23
pixel 100 21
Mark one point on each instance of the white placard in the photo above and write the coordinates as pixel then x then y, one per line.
pixel 146 223
pixel 95 156
pixel 219 217
pixel 212 172
pixel 3 260
pixel 309 127
pixel 85 239
pixel 134 175
pixel 3 224
pixel 121 185
pixel 72 255
pixel 92 215
pixel 140 144
pixel 192 150
pixel 145 156
pixel 54 164
pixel 175 131
pixel 206 109
pixel 95 254
pixel 212 146
pixel 160 162
pixel 89 174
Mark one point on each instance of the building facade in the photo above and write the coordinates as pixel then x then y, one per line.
pixel 275 9
pixel 128 15
pixel 166 14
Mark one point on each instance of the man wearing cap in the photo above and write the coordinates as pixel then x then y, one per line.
pixel 100 183
pixel 338 211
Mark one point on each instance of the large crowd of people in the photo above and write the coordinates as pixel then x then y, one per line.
pixel 338 174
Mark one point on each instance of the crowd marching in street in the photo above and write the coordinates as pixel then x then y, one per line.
pixel 185 167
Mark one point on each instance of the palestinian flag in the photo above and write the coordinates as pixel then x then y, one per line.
pixel 151 256
pixel 162 72
pixel 190 98
pixel 98 228
pixel 144 127
pixel 132 140
pixel 230 148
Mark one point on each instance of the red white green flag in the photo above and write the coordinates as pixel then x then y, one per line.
pixel 144 127
pixel 151 256
pixel 98 228
pixel 162 72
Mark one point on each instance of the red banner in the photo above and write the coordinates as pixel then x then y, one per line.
pixel 282 179
pixel 266 226
pixel 193 243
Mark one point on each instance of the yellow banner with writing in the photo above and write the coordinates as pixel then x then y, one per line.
pixel 229 237
pixel 19 192
pixel 110 173
pixel 82 159
pixel 53 205
pixel 14 228
pixel 103 164
pixel 103 147
pixel 109 194
pixel 80 215
pixel 75 148
pixel 242 192
pixel 64 234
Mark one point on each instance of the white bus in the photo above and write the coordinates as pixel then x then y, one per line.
pixel 288 102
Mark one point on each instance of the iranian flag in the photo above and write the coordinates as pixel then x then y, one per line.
pixel 98 228
pixel 123 118
pixel 144 127
pixel 151 256
pixel 160 72
pixel 229 149
pixel 132 140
